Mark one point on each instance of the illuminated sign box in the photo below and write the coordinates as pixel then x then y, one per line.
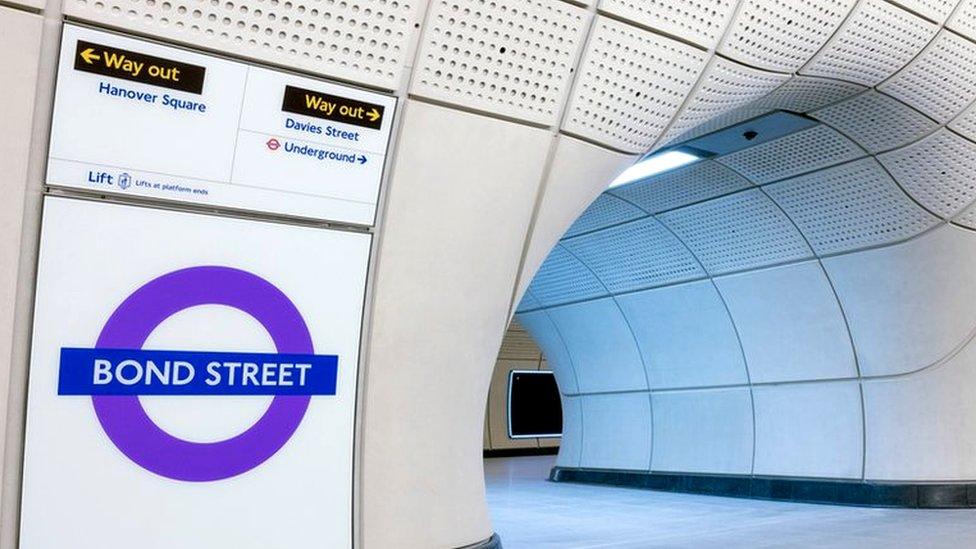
pixel 134 117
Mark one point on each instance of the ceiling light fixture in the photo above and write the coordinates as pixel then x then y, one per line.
pixel 655 164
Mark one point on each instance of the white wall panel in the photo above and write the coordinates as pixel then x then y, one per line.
pixel 919 427
pixel 781 35
pixel 512 59
pixel 550 442
pixel 366 41
pixel 936 82
pixel 630 84
pixel 697 21
pixel 790 324
pixel 876 40
pixel 809 430
pixel 37 4
pixel 579 172
pixel 553 346
pixel 571 443
pixel 707 431
pixel 616 431
pixel 601 345
pixel 911 304
pixel 436 232
pixel 877 122
pixel 685 335
pixel 20 40
pixel 937 171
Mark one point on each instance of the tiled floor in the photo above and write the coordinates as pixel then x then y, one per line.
pixel 529 512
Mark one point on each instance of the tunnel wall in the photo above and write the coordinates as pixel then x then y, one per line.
pixel 756 373
pixel 800 308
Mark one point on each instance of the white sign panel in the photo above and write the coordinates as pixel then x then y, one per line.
pixel 192 381
pixel 136 117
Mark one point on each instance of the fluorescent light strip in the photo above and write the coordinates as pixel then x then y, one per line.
pixel 654 165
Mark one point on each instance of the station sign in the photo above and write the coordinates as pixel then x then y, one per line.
pixel 136 117
pixel 201 392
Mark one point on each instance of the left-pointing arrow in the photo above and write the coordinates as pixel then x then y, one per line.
pixel 90 56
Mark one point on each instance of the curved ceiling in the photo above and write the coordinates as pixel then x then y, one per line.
pixel 781 309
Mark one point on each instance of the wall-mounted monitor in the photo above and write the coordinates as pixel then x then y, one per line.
pixel 534 408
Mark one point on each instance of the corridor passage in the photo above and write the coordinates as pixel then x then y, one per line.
pixel 527 511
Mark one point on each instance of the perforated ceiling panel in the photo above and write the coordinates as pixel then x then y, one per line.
pixel 875 41
pixel 807 93
pixel 817 147
pixel 737 232
pixel 697 21
pixel 938 171
pixel 630 84
pixel 968 217
pixel 606 210
pixel 528 302
pixel 722 121
pixel 781 35
pixel 877 122
pixel 799 94
pixel 724 86
pixel 941 81
pixel 562 279
pixel 965 123
pixel 694 183
pixel 362 41
pixel 636 255
pixel 510 58
pixel 851 206
pixel 963 20
pixel 936 10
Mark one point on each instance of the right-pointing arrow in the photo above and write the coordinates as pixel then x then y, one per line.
pixel 362 159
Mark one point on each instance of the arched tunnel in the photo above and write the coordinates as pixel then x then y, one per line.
pixel 740 231
pixel 791 308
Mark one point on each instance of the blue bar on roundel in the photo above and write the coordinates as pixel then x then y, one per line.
pixel 144 372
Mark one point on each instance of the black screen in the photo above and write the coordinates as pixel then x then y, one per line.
pixel 534 409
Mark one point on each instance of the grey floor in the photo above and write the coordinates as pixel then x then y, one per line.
pixel 528 511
